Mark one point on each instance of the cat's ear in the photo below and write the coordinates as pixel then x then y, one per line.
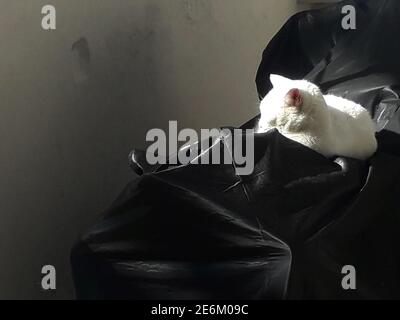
pixel 294 98
pixel 279 81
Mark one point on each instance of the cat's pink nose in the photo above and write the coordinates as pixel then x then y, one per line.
pixel 293 98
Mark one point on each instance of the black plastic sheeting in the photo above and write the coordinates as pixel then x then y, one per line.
pixel 286 231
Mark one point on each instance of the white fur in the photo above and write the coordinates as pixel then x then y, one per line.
pixel 330 125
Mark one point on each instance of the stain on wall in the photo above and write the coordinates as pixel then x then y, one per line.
pixel 81 56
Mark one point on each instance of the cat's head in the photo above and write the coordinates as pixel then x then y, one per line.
pixel 292 106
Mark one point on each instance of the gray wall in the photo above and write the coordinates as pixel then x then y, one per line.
pixel 67 124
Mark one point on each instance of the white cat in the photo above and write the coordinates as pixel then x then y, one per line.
pixel 330 125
